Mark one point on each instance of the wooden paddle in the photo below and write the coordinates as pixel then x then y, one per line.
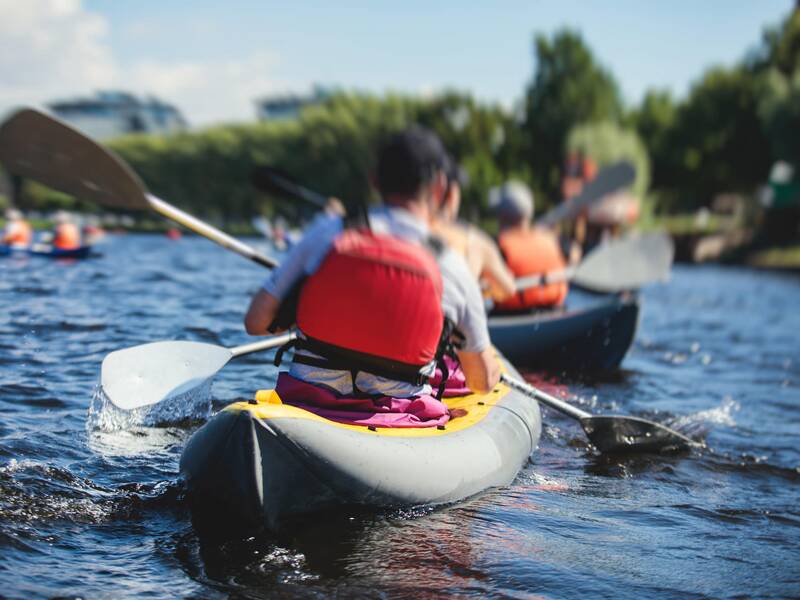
pixel 612 433
pixel 151 373
pixel 36 145
pixel 619 265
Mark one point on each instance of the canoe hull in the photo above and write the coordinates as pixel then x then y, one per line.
pixel 266 464
pixel 593 337
pixel 47 252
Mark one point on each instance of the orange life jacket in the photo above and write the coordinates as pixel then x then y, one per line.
pixel 67 236
pixel 18 233
pixel 532 252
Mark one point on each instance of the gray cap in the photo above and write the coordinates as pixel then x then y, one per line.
pixel 513 201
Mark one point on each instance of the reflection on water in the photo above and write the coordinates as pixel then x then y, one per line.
pixel 90 512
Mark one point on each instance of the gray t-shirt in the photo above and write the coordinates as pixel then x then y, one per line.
pixel 462 302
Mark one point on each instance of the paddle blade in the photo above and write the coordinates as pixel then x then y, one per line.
pixel 616 433
pixel 610 179
pixel 40 147
pixel 627 264
pixel 151 373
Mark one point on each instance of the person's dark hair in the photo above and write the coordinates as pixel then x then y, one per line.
pixel 408 161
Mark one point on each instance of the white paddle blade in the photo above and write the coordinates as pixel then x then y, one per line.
pixel 610 179
pixel 151 373
pixel 627 264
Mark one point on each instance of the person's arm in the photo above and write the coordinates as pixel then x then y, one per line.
pixel 302 259
pixel 261 313
pixel 476 355
pixel 481 369
pixel 494 270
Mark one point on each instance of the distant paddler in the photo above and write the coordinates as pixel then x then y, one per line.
pixel 17 232
pixel 477 248
pixel 528 249
pixel 66 233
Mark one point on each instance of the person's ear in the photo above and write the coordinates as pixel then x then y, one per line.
pixel 438 189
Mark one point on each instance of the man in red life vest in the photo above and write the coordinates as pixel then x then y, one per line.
pixel 373 301
pixel 17 231
pixel 527 249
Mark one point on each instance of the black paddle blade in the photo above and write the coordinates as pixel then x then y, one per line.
pixel 275 181
pixel 613 433
pixel 40 147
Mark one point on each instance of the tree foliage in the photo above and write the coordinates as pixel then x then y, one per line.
pixel 569 87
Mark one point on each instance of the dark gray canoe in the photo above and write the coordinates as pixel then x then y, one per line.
pixel 592 333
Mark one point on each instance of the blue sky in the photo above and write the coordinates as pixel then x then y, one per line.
pixel 212 58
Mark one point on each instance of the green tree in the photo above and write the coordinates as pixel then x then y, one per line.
pixel 717 143
pixel 569 87
pixel 653 121
pixel 780 46
pixel 779 109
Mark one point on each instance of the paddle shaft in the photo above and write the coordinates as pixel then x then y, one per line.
pixel 531 281
pixel 268 344
pixel 544 398
pixel 212 233
pixel 289 187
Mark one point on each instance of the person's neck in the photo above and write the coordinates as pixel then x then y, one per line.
pixel 416 206
pixel 520 226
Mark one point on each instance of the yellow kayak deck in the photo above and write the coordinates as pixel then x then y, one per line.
pixel 465 411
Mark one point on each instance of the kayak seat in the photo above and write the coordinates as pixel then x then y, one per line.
pixel 370 411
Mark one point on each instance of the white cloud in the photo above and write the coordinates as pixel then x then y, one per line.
pixel 49 48
pixel 52 49
pixel 211 91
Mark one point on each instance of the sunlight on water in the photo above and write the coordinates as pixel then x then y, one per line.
pixel 193 405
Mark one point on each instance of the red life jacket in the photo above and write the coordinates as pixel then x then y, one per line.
pixel 374 305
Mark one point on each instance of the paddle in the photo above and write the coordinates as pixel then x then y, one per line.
pixel 608 180
pixel 274 181
pixel 151 373
pixel 38 146
pixel 619 265
pixel 612 433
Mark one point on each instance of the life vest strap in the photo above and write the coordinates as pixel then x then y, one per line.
pixel 343 359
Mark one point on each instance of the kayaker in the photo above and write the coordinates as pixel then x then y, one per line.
pixel 378 295
pixel 527 249
pixel 66 234
pixel 17 231
pixel 477 248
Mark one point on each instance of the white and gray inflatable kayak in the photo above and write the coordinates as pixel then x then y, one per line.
pixel 263 461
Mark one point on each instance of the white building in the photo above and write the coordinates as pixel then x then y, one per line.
pixel 287 106
pixel 111 114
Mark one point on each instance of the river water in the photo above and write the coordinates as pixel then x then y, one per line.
pixel 91 514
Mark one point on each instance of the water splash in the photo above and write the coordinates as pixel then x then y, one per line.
pixel 697 425
pixel 192 405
